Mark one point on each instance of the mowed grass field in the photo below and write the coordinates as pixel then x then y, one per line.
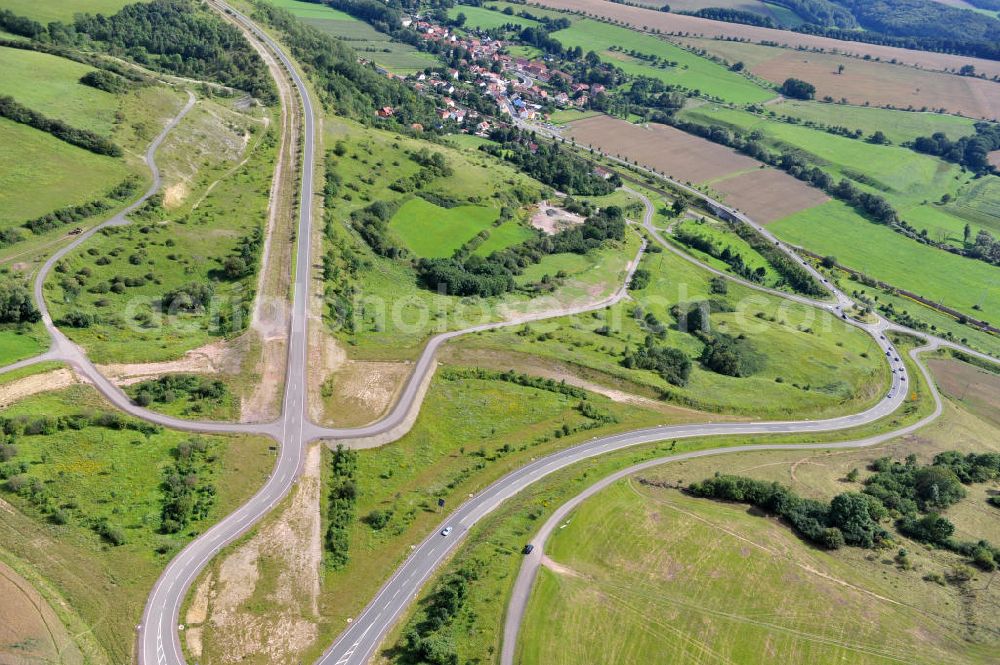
pixel 433 232
pixel 642 571
pixel 19 342
pixel 898 126
pixel 487 19
pixel 862 81
pixel 691 72
pixel 64 10
pixel 369 42
pixel 835 229
pixel 51 85
pixel 114 473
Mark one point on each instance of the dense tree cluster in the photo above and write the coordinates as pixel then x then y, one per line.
pixel 797 89
pixel 550 164
pixel 187 497
pixel 850 518
pixel 184 38
pixel 424 639
pixel 820 12
pixel 106 81
pixel 192 297
pixel 727 255
pixel 341 509
pixel 83 138
pixel 169 388
pixel 494 274
pixel 972 152
pixel 792 274
pixel 729 355
pixel 16 305
pixel 372 222
pixel 731 15
pixel 671 364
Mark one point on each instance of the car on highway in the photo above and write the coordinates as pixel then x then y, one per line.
pixel 445 531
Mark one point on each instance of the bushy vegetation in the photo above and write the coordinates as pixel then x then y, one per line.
pixel 670 363
pixel 549 164
pixel 83 138
pixel 187 496
pixel 850 518
pixel 106 81
pixel 425 639
pixel 729 355
pixel 727 255
pixel 16 305
pixel 49 221
pixel 341 511
pixel 972 152
pixel 797 89
pixel 912 493
pixel 169 388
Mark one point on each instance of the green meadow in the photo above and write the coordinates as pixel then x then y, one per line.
pixel 51 85
pixel 691 71
pixel 63 10
pixel 835 229
pixel 486 19
pixel 431 231
pixel 20 342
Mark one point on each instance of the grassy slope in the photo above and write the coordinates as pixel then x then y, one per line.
pixel 899 126
pixel 19 342
pixel 189 247
pixel 51 85
pixel 39 173
pixel 485 19
pixel 692 71
pixel 833 228
pixel 113 473
pixel 828 360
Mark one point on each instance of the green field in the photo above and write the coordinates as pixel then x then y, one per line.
pixel 113 473
pixel 63 10
pixel 366 40
pixel 565 116
pixel 506 235
pixel 433 232
pixel 722 237
pixel 18 343
pixel 39 174
pixel 648 570
pixel 691 72
pixel 486 19
pixel 51 85
pixel 898 126
pixel 835 229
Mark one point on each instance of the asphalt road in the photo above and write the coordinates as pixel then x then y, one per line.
pixel 521 593
pixel 158 632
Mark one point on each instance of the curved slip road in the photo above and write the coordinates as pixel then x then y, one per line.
pixel 524 583
pixel 158 635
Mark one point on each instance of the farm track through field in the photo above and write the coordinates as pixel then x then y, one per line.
pixel 158 637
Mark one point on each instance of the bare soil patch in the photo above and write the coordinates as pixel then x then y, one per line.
pixel 34 384
pixel 30 631
pixel 976 389
pixel 262 599
pixel 551 219
pixel 174 195
pixel 216 358
pixel 769 194
pixel 649 19
pixel 678 154
pixel 994 158
pixel 261 404
pixel 361 392
pixel 326 356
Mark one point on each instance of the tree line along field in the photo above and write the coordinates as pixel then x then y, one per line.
pixel 705 568
pixel 184 271
pixel 861 82
pixel 391 315
pixel 94 473
pixel 370 43
pixel 914 183
pixel 649 20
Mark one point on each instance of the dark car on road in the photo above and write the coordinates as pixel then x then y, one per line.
pixel 529 548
